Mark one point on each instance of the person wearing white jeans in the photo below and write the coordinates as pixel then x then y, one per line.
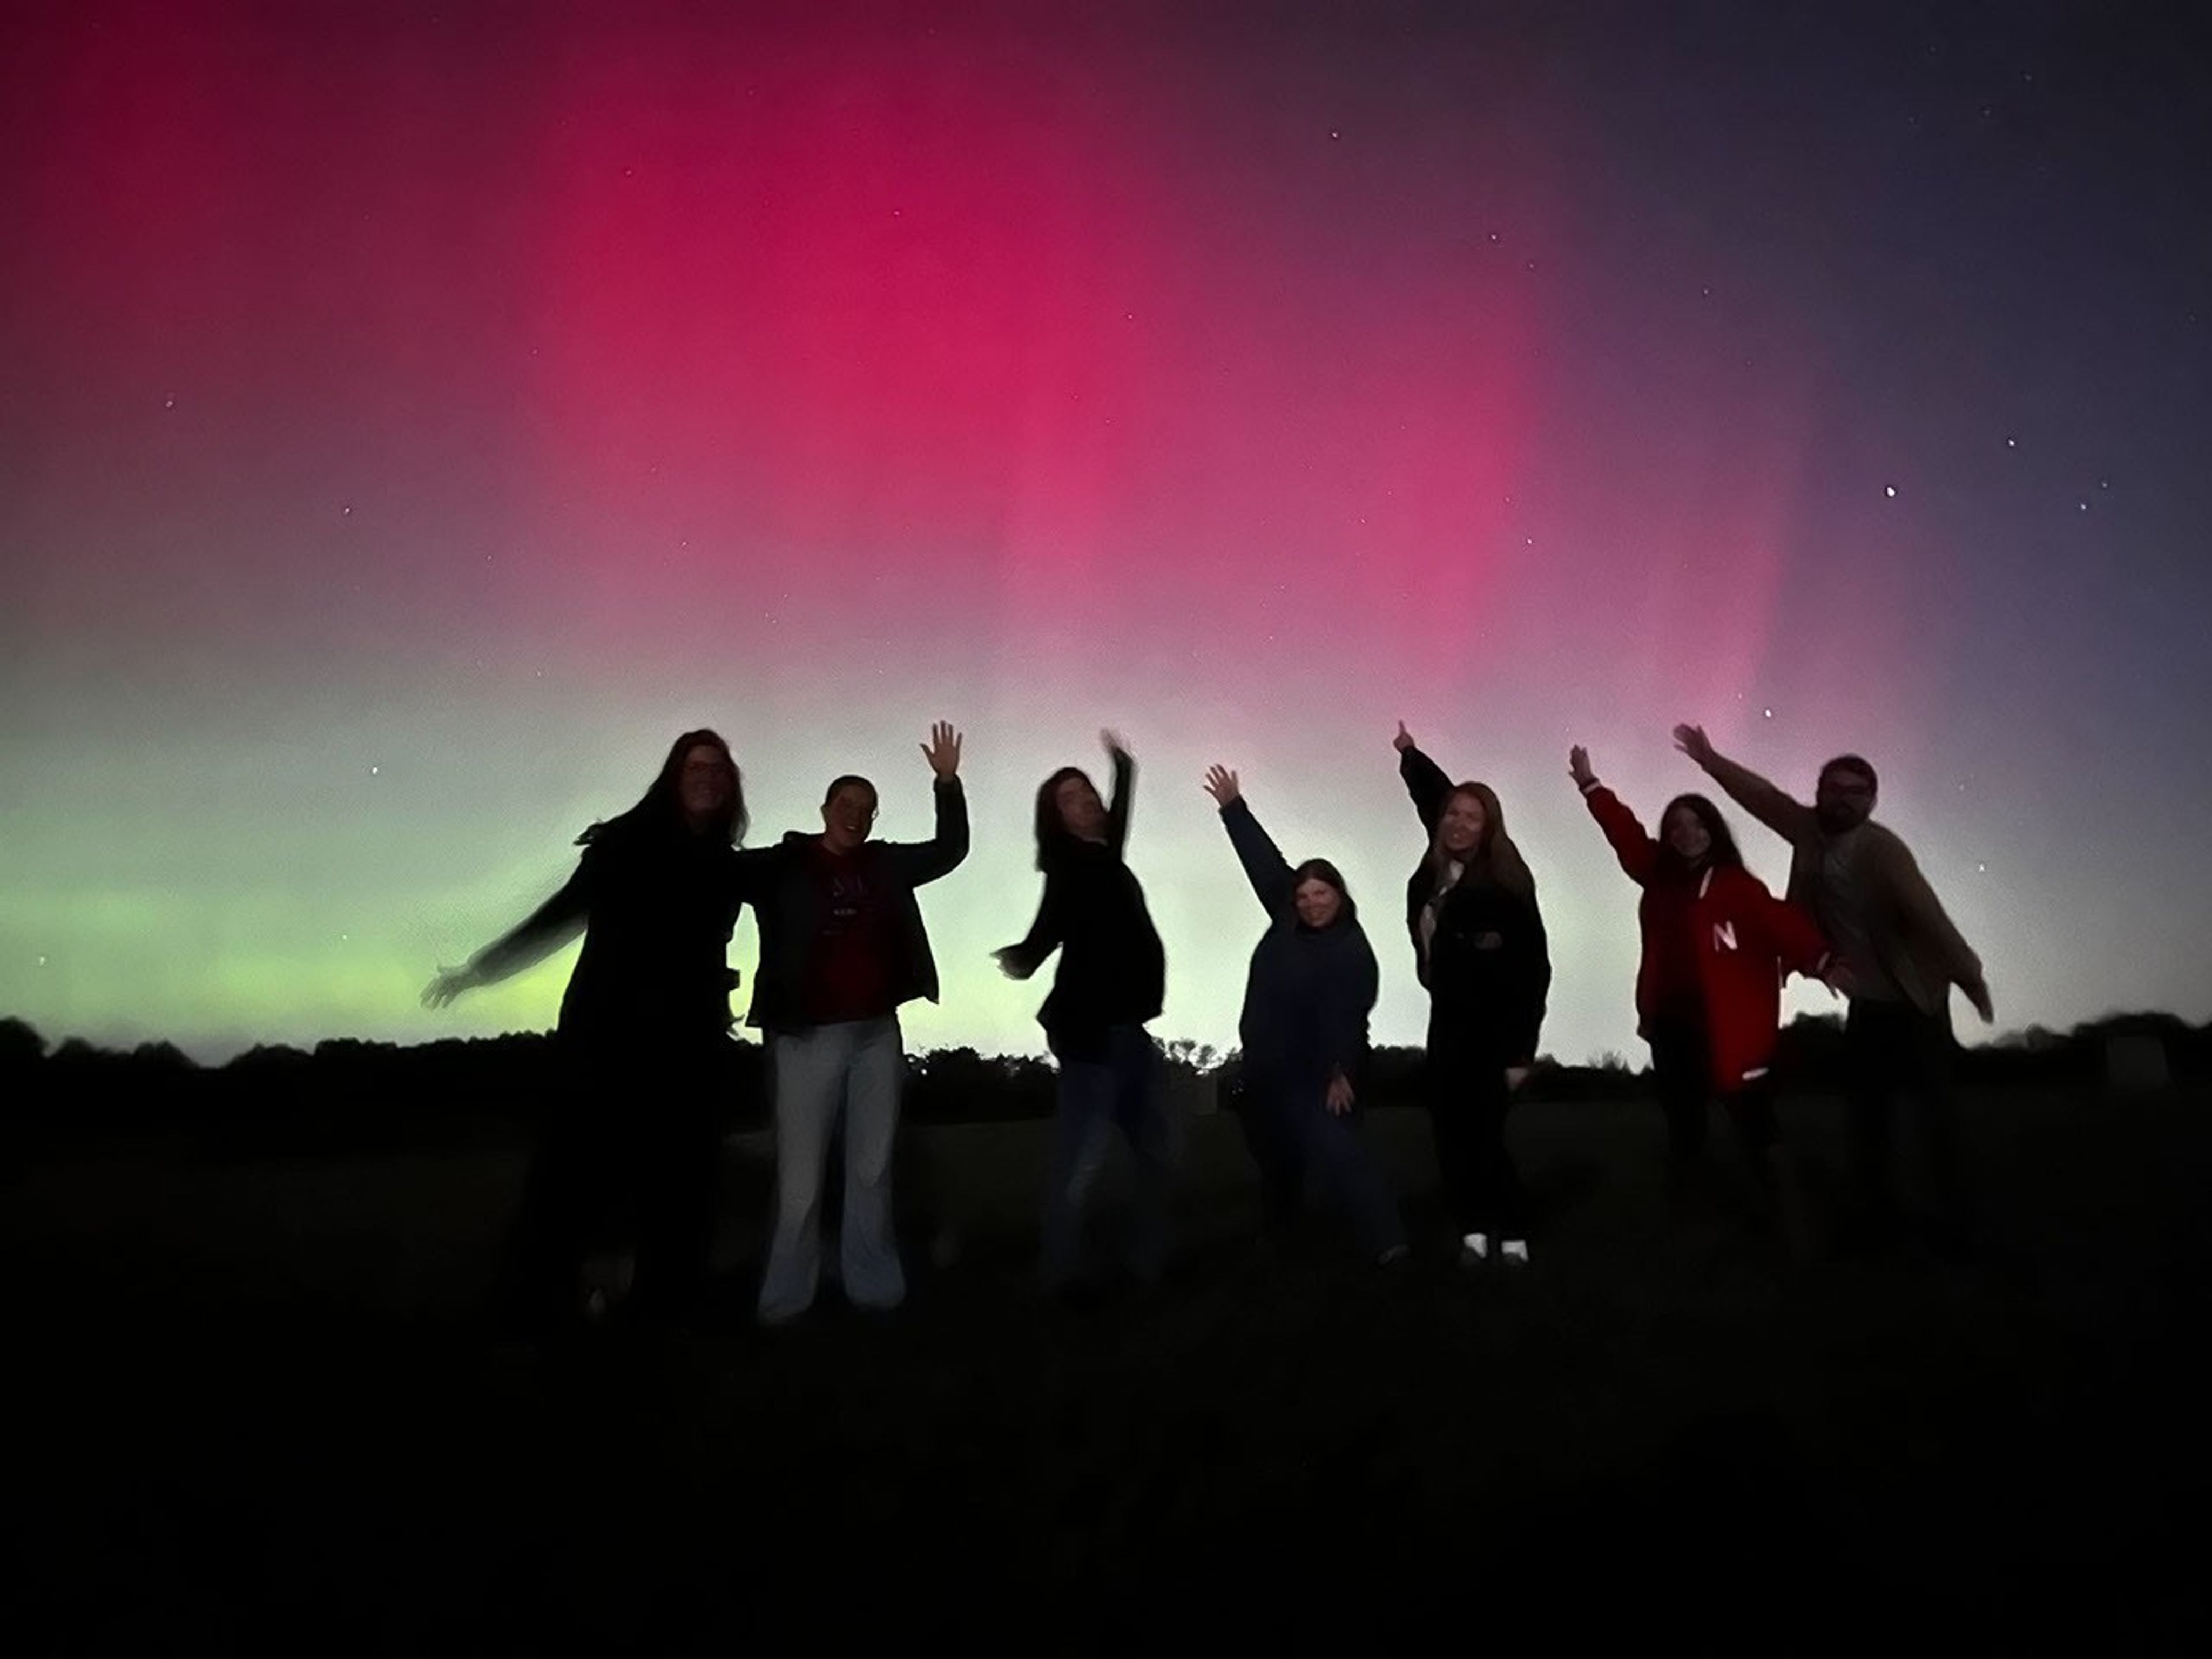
pixel 842 947
pixel 853 1068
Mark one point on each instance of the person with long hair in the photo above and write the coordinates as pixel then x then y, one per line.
pixel 1716 947
pixel 1308 994
pixel 843 948
pixel 643 1039
pixel 1860 881
pixel 1112 979
pixel 1480 951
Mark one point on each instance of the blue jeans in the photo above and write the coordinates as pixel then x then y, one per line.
pixel 1119 1088
pixel 853 1068
pixel 1290 1131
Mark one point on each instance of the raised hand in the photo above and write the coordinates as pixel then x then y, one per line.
pixel 1579 767
pixel 1690 740
pixel 449 984
pixel 1114 742
pixel 1221 784
pixel 1516 1076
pixel 1404 740
pixel 943 749
pixel 1010 962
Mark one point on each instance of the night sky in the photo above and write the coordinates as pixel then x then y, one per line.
pixel 412 416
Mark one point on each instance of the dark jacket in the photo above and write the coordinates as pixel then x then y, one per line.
pixel 1488 968
pixel 1309 991
pixel 778 883
pixel 656 905
pixel 1112 970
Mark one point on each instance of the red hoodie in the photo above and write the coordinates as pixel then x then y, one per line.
pixel 1744 940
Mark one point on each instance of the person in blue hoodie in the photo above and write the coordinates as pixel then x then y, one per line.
pixel 1308 994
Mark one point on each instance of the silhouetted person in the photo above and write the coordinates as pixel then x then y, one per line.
pixel 1308 994
pixel 1479 948
pixel 1717 946
pixel 842 948
pixel 643 1038
pixel 1112 978
pixel 1902 955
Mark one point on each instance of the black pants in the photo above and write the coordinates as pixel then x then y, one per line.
pixel 1681 1067
pixel 1892 1051
pixel 630 1153
pixel 1467 1103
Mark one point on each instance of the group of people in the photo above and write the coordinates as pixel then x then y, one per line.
pixel 656 892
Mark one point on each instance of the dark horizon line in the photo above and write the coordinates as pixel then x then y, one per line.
pixel 1606 1060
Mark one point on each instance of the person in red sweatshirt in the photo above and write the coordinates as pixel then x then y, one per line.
pixel 1716 947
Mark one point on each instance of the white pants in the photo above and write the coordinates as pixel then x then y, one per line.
pixel 854 1067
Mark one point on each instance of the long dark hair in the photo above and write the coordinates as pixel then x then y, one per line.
pixel 1494 859
pixel 1052 836
pixel 1322 871
pixel 1721 855
pixel 661 806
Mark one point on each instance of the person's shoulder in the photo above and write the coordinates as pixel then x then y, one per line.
pixel 1879 840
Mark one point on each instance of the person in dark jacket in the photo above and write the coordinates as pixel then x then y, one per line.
pixel 643 1039
pixel 1480 948
pixel 1717 946
pixel 842 948
pixel 1112 979
pixel 1308 994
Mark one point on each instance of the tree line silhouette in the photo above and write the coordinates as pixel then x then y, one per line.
pixel 348 1091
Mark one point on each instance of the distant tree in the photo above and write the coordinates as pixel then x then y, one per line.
pixel 958 1085
pixel 21 1046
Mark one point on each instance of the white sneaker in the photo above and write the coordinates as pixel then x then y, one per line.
pixel 1515 1250
pixel 1474 1250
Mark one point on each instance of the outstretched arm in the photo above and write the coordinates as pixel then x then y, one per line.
pixel 1635 850
pixel 1792 820
pixel 1924 916
pixel 529 941
pixel 1265 868
pixel 1021 960
pixel 1125 782
pixel 925 861
pixel 1424 780
pixel 1797 940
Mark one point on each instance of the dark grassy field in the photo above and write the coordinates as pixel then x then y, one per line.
pixel 255 1408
